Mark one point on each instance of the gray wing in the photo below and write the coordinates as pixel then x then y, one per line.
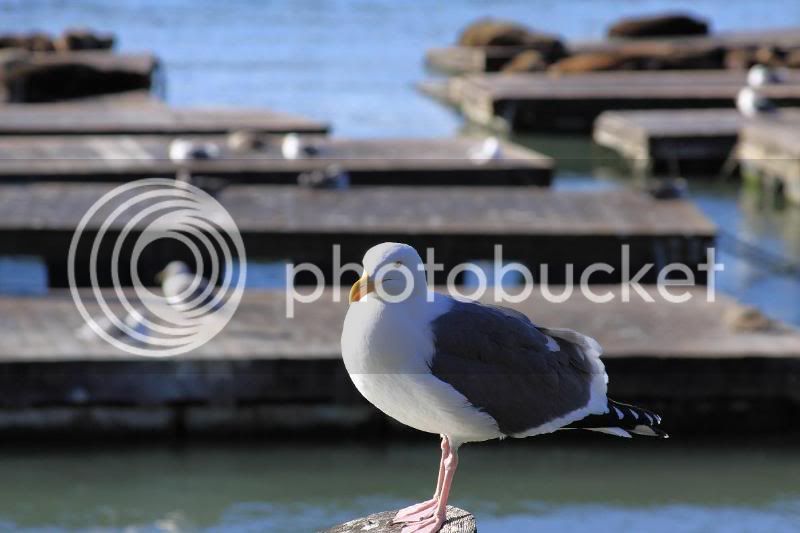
pixel 521 375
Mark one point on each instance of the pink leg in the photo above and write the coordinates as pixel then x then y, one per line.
pixel 435 522
pixel 417 512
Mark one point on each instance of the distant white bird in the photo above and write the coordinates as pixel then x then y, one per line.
pixel 751 103
pixel 245 141
pixel 761 75
pixel 183 150
pixel 333 177
pixel 489 150
pixel 134 321
pixel 469 372
pixel 176 283
pixel 296 147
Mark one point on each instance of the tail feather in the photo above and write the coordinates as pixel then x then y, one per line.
pixel 623 420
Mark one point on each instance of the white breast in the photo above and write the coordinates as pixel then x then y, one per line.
pixel 387 350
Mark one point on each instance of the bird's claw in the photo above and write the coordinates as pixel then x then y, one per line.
pixel 429 525
pixel 415 513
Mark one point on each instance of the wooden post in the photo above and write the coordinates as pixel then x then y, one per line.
pixel 458 521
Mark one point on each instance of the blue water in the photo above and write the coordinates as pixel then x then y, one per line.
pixel 354 63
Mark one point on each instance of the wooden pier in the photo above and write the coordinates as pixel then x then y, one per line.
pixel 368 162
pixel 707 367
pixel 571 103
pixel 769 154
pixel 677 142
pixel 107 118
pixel 461 223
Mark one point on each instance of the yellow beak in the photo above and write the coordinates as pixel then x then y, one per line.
pixel 361 288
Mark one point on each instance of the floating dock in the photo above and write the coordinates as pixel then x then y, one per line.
pixel 368 162
pixel 769 153
pixel 472 59
pixel 107 117
pixel 571 103
pixel 705 366
pixel 462 224
pixel 51 76
pixel 677 142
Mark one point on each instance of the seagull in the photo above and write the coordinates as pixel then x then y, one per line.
pixel 184 290
pixel 295 147
pixel 134 335
pixel 751 103
pixel 761 75
pixel 183 150
pixel 489 150
pixel 241 141
pixel 469 372
pixel 332 177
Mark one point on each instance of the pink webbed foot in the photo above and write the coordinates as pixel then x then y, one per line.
pixel 429 525
pixel 416 512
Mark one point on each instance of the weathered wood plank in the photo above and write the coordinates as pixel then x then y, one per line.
pixel 86 119
pixel 458 521
pixel 546 102
pixel 373 162
pixel 532 225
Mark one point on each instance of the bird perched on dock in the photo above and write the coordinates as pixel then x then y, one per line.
pixel 761 75
pixel 332 177
pixel 294 146
pixel 241 141
pixel 184 290
pixel 135 334
pixel 469 372
pixel 750 101
pixel 184 150
pixel 489 150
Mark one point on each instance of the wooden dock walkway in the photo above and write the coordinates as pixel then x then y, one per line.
pixel 99 118
pixel 769 153
pixel 706 366
pixel 368 162
pixel 571 103
pixel 697 141
pixel 461 223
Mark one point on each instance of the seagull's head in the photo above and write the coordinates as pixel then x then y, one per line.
pixel 393 272
pixel 174 268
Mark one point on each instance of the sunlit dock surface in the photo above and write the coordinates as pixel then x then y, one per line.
pixel 443 161
pixel 534 225
pixel 707 367
pixel 546 102
pixel 115 116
